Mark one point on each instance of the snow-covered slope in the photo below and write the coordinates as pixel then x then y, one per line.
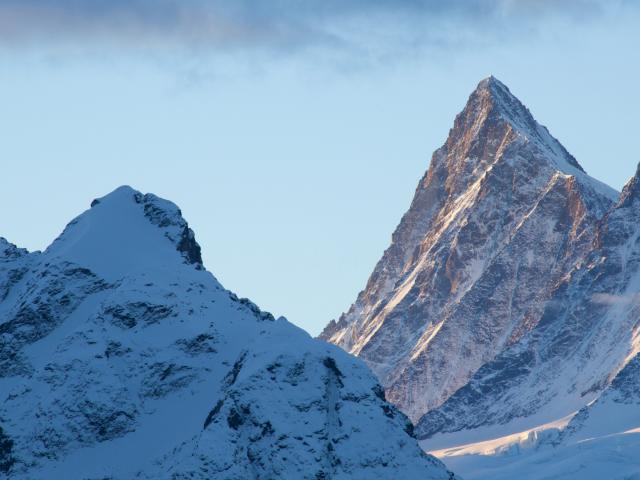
pixel 503 212
pixel 601 441
pixel 122 357
pixel 610 457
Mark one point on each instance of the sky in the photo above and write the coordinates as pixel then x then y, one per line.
pixel 292 134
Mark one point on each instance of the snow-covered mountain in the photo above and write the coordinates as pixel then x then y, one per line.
pixel 564 402
pixel 505 316
pixel 122 357
pixel 588 332
pixel 503 212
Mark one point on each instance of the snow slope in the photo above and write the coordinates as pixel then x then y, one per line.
pixel 611 457
pixel 122 357
pixel 600 441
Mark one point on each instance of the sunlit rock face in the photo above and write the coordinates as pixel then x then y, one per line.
pixel 500 217
pixel 121 357
pixel 583 351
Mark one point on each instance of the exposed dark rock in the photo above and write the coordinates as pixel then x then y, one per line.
pixel 252 307
pixel 6 452
pixel 108 425
pixel 198 345
pixel 379 392
pixel 131 314
pixel 164 378
pixel 330 363
pixel 232 375
pixel 165 214
pixel 388 411
pixel 212 414
pixel 115 349
pixel 235 418
pixel 189 247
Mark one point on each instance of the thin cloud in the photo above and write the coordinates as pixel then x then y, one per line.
pixel 275 25
pixel 613 299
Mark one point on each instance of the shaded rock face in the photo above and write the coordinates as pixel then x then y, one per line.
pixel 14 263
pixel 6 451
pixel 45 300
pixel 165 214
pixel 583 348
pixel 503 212
pixel 625 387
pixel 121 357
pixel 259 445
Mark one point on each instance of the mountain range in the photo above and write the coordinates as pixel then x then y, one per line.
pixel 499 331
pixel 507 303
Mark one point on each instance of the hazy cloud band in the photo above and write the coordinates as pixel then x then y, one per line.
pixel 273 25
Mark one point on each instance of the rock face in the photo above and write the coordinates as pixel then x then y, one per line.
pixel 584 348
pixel 580 364
pixel 502 214
pixel 122 357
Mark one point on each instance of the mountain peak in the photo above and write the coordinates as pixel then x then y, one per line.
pixel 491 84
pixel 494 97
pixel 507 104
pixel 122 192
pixel 127 230
pixel 499 199
pixel 631 190
pixel 493 102
pixel 497 90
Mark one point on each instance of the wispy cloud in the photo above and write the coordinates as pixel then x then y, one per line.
pixel 615 299
pixel 275 25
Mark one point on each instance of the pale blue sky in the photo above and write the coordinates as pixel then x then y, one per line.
pixel 293 152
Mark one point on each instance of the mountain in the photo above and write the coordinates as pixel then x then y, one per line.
pixel 582 355
pixel 564 402
pixel 499 218
pixel 122 357
pixel 505 316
